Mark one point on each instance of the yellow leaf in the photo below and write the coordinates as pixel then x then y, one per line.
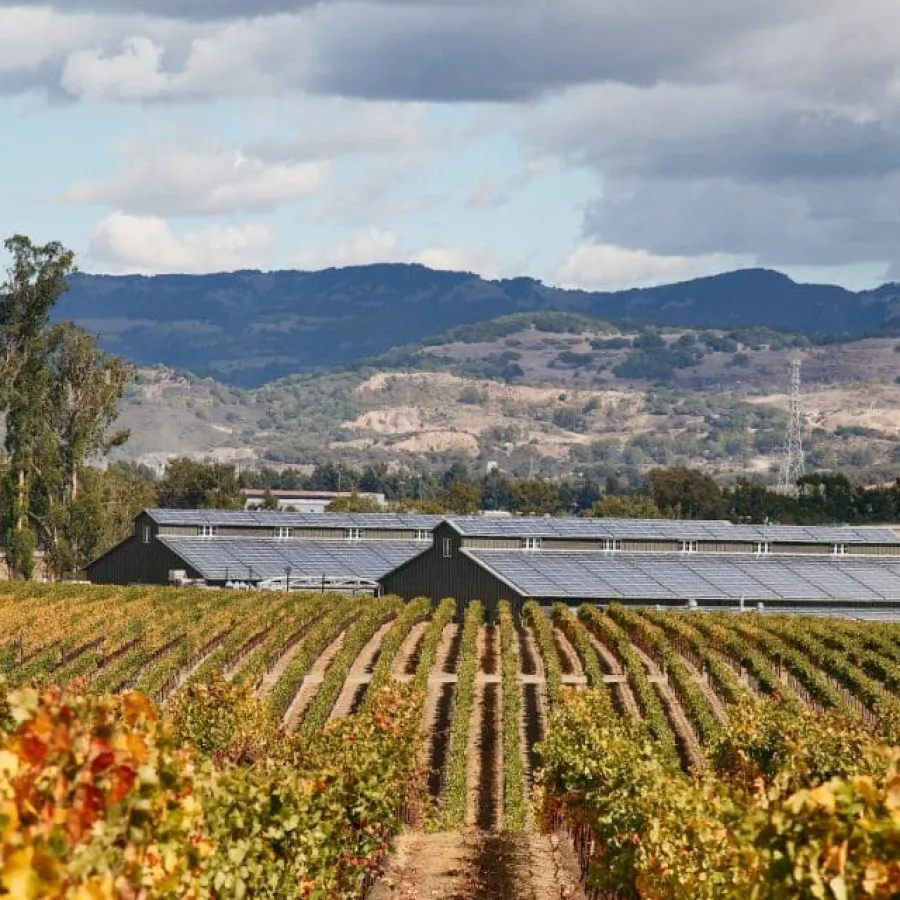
pixel 9 764
pixel 838 887
pixel 823 796
pixel 18 879
pixel 892 793
pixel 10 815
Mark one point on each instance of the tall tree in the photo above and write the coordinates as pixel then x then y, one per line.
pixel 36 279
pixel 84 387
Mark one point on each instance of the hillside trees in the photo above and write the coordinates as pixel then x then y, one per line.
pixel 188 484
pixel 58 396
pixel 626 506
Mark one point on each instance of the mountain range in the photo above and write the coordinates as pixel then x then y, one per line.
pixel 248 328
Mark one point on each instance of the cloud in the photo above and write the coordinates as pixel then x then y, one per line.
pixel 513 52
pixel 371 246
pixel 766 130
pixel 377 245
pixel 347 129
pixel 134 74
pixel 381 194
pixel 479 260
pixel 159 61
pixel 487 193
pixel 200 181
pixel 123 243
pixel 607 267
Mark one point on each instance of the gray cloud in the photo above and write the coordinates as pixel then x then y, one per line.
pixel 194 10
pixel 503 53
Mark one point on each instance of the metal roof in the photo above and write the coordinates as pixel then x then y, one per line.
pixel 665 529
pixel 255 559
pixel 703 577
pixel 240 518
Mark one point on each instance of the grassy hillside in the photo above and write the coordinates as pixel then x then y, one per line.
pixel 547 393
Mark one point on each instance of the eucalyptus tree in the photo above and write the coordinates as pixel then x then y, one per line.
pixel 58 399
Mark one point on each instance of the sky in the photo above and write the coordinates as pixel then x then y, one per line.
pixel 589 143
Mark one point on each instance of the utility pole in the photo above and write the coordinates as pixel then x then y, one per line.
pixel 792 464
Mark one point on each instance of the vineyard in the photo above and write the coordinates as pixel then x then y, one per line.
pixel 186 743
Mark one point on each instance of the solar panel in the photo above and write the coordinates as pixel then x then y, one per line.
pixel 664 529
pixel 593 575
pixel 253 559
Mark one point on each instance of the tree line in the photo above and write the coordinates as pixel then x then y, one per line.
pixel 677 492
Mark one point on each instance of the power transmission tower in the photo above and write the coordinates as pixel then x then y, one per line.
pixel 793 466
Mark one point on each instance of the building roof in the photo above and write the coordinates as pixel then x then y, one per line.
pixel 249 559
pixel 665 529
pixel 586 575
pixel 241 518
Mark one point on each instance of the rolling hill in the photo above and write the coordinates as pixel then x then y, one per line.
pixel 550 393
pixel 248 328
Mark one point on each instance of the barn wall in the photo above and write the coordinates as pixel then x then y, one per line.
pixel 434 576
pixel 134 562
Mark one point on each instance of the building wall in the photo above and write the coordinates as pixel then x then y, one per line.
pixel 435 576
pixel 134 562
pixel 40 569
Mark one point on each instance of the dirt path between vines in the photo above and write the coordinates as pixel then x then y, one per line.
pixel 360 673
pixel 621 690
pixel 311 683
pixel 572 670
pixel 684 730
pixel 474 865
pixel 244 652
pixel 436 717
pixel 718 707
pixel 405 662
pixel 187 672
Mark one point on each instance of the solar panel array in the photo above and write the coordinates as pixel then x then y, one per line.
pixel 665 529
pixel 678 578
pixel 241 518
pixel 256 559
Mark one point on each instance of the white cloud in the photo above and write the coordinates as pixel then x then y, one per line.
pixel 123 243
pixel 374 245
pixel 31 37
pixel 189 61
pixel 200 180
pixel 607 267
pixel 377 245
pixel 134 74
pixel 479 260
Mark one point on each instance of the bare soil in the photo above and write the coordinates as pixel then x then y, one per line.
pixel 311 682
pixel 294 642
pixel 438 707
pixel 573 672
pixel 718 707
pixel 474 865
pixel 490 782
pixel 360 674
pixel 686 736
pixel 451 658
pixel 407 659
